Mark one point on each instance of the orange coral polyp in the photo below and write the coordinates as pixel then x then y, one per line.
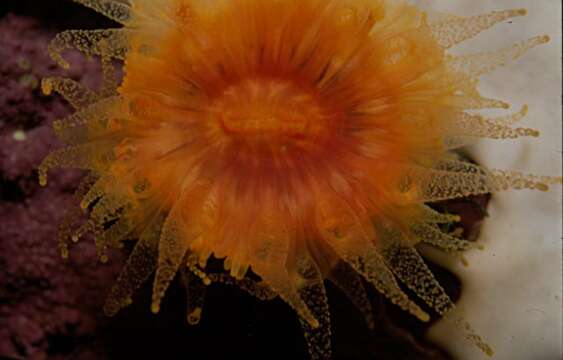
pixel 265 113
pixel 300 139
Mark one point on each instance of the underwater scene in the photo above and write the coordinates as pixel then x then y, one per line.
pixel 280 179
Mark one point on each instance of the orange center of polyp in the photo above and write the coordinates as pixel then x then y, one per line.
pixel 271 112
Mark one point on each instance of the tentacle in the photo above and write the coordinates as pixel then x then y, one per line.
pixel 86 156
pixel 443 185
pixel 195 292
pixel 117 232
pixel 476 65
pixel 455 165
pixel 474 101
pixel 479 126
pixel 511 119
pixel 73 92
pixel 437 185
pixel 430 215
pixel 88 42
pixel 79 126
pixel 506 180
pixel 72 217
pixel 455 30
pixel 257 289
pixel 373 268
pixel 407 264
pixel 312 291
pixel 116 10
pixel 350 283
pixel 109 79
pixel 173 246
pixel 96 191
pixel 140 265
pixel 282 284
pixel 107 208
pixel 430 234
pixel 353 241
pixel 269 261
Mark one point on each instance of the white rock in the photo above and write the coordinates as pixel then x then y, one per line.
pixel 512 289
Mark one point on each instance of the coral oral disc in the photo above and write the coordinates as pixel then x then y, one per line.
pixel 272 116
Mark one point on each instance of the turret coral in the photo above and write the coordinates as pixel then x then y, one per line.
pixel 289 138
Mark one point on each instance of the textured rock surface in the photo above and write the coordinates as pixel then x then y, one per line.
pixel 512 289
pixel 48 308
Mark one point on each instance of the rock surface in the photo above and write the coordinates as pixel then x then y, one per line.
pixel 512 289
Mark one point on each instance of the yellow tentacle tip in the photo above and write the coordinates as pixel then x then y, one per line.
pixel 195 316
pixel 487 350
pixel 155 307
pixel 43 181
pixel 545 39
pixel 46 86
pixel 423 316
pixel 314 323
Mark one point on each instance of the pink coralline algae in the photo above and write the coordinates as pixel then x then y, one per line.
pixel 47 306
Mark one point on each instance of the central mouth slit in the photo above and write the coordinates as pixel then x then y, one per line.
pixel 269 111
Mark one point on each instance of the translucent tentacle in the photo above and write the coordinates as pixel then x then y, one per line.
pixel 106 208
pixel 281 283
pixel 79 156
pixel 140 265
pixel 455 30
pixel 434 236
pixel 430 215
pixel 479 126
pixel 96 191
pixel 460 166
pixel 88 42
pixel 436 185
pixel 73 92
pixel 476 65
pixel 76 128
pixel 313 293
pixel 505 180
pixel 116 10
pixel 117 232
pixel 475 101
pixel 443 185
pixel 72 217
pixel 109 80
pixel 353 241
pixel 411 269
pixel 195 292
pixel 502 179
pixel 511 119
pixel 271 257
pixel 350 283
pixel 407 264
pixel 373 268
pixel 258 289
pixel 173 246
